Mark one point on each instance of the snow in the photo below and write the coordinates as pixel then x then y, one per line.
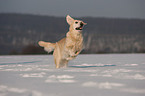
pixel 87 75
pixel 102 85
pixel 60 79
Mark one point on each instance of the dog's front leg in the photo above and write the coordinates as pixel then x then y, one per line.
pixel 71 55
pixel 77 53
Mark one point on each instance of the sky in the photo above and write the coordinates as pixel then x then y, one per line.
pixel 77 8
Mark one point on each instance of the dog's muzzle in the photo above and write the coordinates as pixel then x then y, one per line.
pixel 81 26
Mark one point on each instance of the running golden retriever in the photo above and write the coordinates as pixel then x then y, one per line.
pixel 69 47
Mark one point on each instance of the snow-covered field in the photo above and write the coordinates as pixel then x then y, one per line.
pixel 87 75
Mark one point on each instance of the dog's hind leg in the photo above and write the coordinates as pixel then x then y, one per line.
pixel 65 63
pixel 61 63
pixel 57 62
pixel 57 56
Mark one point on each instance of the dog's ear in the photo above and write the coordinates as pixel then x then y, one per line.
pixel 84 23
pixel 69 19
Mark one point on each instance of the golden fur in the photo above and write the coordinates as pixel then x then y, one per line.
pixel 69 47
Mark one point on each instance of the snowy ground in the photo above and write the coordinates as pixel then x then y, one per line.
pixel 87 75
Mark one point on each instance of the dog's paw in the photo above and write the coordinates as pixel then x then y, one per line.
pixel 69 58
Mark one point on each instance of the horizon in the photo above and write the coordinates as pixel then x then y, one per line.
pixel 73 17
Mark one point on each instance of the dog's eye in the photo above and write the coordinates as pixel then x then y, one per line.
pixel 76 22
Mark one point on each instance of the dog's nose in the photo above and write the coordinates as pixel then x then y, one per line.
pixel 81 24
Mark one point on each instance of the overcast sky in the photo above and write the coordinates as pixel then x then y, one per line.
pixel 77 8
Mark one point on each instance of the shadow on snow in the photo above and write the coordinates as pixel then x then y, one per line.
pixel 91 66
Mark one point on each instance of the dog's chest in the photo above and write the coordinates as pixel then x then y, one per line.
pixel 78 44
pixel 74 43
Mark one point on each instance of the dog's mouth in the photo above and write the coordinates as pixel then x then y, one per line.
pixel 79 28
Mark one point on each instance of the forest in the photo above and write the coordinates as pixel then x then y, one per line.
pixel 19 34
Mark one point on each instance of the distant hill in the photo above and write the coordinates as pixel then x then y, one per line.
pixel 20 32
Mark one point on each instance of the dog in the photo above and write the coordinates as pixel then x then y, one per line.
pixel 69 47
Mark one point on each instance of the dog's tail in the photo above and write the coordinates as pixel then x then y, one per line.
pixel 47 46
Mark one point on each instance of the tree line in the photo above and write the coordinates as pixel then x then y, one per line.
pixel 19 34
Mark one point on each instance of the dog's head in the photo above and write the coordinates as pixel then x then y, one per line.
pixel 75 24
